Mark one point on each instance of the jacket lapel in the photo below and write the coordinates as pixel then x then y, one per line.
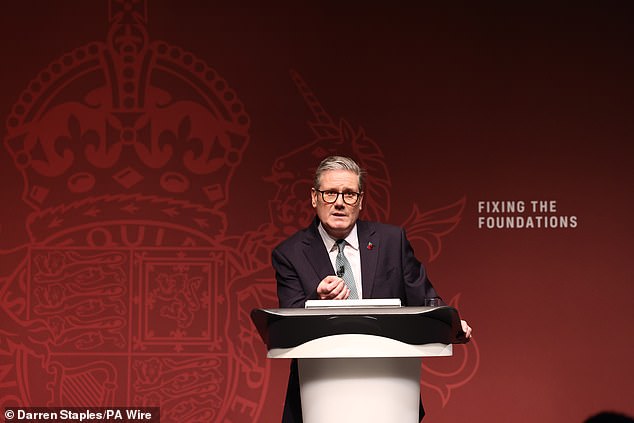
pixel 369 250
pixel 316 253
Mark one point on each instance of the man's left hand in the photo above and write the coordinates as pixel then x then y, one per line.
pixel 466 329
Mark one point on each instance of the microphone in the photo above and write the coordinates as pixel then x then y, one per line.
pixel 341 271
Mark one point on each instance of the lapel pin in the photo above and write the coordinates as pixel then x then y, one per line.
pixel 370 246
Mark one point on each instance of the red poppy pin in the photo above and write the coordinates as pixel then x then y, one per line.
pixel 370 246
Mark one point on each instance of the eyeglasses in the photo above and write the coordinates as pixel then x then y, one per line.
pixel 350 197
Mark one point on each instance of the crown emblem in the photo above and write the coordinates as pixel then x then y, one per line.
pixel 127 117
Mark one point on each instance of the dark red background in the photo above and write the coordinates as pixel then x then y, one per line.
pixel 474 102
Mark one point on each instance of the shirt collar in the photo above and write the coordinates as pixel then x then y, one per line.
pixel 352 239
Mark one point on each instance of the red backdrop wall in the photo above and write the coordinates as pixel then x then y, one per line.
pixel 155 152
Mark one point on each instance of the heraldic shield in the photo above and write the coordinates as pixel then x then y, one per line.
pixel 129 291
pixel 125 293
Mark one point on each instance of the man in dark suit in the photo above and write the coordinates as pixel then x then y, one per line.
pixel 340 257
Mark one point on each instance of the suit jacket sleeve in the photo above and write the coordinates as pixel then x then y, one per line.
pixel 415 279
pixel 291 288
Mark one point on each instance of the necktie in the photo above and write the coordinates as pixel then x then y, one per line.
pixel 344 270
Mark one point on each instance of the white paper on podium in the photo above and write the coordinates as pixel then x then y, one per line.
pixel 363 303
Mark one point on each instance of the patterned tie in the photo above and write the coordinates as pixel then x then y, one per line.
pixel 344 270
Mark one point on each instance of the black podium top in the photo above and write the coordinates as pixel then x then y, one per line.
pixel 290 327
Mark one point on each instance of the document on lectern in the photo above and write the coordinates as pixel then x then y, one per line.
pixel 364 303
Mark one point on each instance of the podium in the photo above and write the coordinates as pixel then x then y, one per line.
pixel 359 364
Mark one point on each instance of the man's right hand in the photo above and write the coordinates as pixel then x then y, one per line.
pixel 332 288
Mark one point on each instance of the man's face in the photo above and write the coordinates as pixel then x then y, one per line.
pixel 337 218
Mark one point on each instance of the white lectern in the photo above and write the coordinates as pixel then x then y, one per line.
pixel 359 364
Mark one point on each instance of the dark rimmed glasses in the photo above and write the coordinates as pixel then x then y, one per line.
pixel 349 197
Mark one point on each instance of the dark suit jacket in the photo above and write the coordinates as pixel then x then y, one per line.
pixel 389 269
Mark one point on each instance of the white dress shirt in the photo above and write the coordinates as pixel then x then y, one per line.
pixel 351 251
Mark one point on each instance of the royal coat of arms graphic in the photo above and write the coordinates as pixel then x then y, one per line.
pixel 130 291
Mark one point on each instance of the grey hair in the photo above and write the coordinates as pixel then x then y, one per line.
pixel 338 163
